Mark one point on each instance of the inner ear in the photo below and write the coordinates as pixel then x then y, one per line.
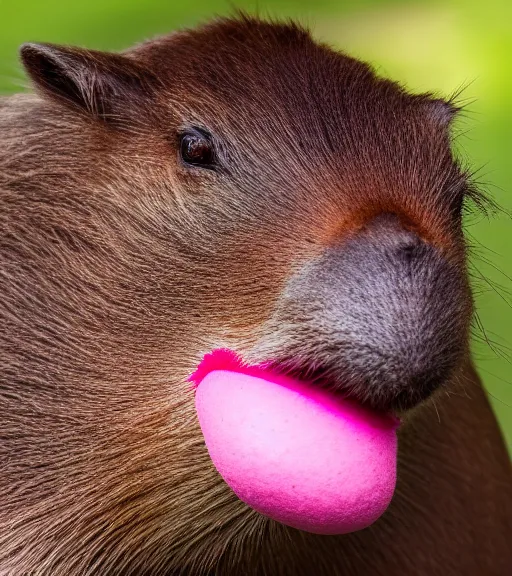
pixel 442 111
pixel 102 84
pixel 437 111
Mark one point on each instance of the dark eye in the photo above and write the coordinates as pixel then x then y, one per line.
pixel 196 149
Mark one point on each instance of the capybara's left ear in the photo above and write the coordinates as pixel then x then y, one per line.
pixel 102 84
pixel 438 111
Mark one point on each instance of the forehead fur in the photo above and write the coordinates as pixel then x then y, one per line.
pixel 279 67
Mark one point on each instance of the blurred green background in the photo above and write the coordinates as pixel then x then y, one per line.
pixel 426 45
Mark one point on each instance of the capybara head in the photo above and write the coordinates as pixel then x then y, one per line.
pixel 239 186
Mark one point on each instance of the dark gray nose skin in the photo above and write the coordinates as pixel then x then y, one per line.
pixel 383 316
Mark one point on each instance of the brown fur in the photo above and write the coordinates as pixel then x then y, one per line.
pixel 121 268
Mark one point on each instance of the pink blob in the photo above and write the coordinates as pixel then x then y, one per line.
pixel 300 455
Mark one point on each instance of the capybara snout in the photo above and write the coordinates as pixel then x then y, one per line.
pixel 382 316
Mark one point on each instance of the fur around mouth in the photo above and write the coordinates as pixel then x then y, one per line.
pixel 226 359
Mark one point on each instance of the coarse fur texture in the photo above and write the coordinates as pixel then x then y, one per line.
pixel 327 238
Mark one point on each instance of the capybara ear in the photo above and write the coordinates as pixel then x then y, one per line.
pixel 438 111
pixel 103 84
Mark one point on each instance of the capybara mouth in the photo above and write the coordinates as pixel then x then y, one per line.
pixel 383 398
pixel 323 376
pixel 295 452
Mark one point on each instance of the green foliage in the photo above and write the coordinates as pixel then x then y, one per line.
pixel 439 46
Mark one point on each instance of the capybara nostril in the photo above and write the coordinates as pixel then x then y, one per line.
pixel 393 233
pixel 407 243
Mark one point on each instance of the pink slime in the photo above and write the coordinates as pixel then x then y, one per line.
pixel 302 456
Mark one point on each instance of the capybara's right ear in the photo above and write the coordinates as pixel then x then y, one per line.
pixel 102 84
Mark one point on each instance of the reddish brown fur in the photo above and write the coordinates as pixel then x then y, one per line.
pixel 121 268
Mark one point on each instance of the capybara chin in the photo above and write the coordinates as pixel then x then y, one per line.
pixel 233 186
